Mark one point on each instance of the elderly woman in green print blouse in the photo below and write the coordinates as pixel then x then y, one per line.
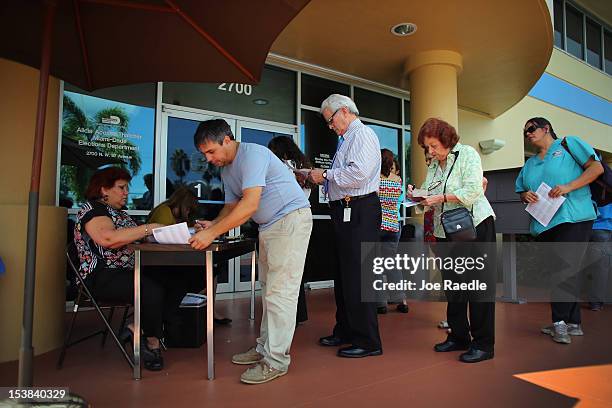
pixel 463 189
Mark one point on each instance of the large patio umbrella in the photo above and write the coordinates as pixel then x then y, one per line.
pixel 101 43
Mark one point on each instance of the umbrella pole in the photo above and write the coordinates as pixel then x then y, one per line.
pixel 26 352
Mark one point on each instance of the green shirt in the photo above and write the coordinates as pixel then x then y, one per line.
pixel 162 214
pixel 465 182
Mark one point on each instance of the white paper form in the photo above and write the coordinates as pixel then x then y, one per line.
pixel 409 203
pixel 546 207
pixel 172 234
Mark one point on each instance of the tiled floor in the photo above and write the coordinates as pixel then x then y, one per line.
pixel 529 370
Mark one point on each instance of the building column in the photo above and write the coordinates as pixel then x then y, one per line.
pixel 433 93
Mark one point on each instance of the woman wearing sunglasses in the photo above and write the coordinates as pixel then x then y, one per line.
pixel 569 177
pixel 454 179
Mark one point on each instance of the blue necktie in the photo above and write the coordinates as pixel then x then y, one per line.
pixel 326 183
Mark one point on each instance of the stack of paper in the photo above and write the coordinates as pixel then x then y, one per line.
pixel 546 207
pixel 193 299
pixel 172 234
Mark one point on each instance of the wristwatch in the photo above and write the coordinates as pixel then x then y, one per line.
pixel 324 174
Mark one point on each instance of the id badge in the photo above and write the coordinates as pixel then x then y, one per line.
pixel 347 214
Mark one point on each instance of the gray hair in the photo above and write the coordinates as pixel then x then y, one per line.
pixel 336 101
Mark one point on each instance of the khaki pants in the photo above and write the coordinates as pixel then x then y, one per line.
pixel 282 253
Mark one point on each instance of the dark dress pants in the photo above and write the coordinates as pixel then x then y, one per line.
pixel 575 232
pixel 161 294
pixel 356 321
pixel 481 323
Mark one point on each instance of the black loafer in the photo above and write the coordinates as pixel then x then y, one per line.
pixel 450 345
pixel 402 308
pixel 152 359
pixel 381 310
pixel 223 321
pixel 358 352
pixel 474 356
pixel 331 341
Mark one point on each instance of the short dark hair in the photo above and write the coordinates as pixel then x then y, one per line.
pixel 213 130
pixel 105 178
pixel 386 162
pixel 441 130
pixel 285 149
pixel 541 123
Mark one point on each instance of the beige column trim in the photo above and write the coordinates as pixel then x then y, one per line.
pixel 433 93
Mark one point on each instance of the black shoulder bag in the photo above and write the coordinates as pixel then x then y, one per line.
pixel 458 223
pixel 601 188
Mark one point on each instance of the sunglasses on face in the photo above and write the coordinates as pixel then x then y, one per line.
pixel 530 129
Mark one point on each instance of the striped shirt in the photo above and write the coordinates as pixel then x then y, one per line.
pixel 356 167
pixel 390 194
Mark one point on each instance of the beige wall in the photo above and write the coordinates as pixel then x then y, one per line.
pixel 475 127
pixel 580 74
pixel 19 86
pixel 508 127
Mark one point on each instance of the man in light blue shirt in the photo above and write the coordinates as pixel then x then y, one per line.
pixel 257 185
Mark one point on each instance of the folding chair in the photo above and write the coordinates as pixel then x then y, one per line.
pixel 85 299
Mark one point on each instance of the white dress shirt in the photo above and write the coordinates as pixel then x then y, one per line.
pixel 356 167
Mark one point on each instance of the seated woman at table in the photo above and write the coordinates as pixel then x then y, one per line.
pixel 180 207
pixel 101 234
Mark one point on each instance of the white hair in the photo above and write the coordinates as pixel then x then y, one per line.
pixel 336 101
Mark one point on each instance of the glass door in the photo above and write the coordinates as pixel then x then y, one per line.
pixel 180 164
pixel 252 132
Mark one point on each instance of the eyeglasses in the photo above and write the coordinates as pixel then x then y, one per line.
pixel 331 118
pixel 531 129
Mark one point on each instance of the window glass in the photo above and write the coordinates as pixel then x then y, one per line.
pixel 315 90
pixel 558 23
pixel 608 51
pixel 377 106
pixel 389 138
pixel 273 99
pixel 407 162
pixel 574 31
pixel 593 37
pixel 185 165
pixel 406 112
pixel 109 127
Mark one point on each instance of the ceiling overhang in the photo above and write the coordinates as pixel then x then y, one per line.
pixel 505 46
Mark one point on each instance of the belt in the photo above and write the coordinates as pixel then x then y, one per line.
pixel 352 198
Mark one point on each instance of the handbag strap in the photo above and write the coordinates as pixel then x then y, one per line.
pixel 448 175
pixel 567 149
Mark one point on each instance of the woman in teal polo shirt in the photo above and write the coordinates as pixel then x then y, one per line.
pixel 568 176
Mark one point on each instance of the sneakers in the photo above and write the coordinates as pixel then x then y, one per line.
pixel 249 357
pixel 573 329
pixel 561 332
pixel 261 373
